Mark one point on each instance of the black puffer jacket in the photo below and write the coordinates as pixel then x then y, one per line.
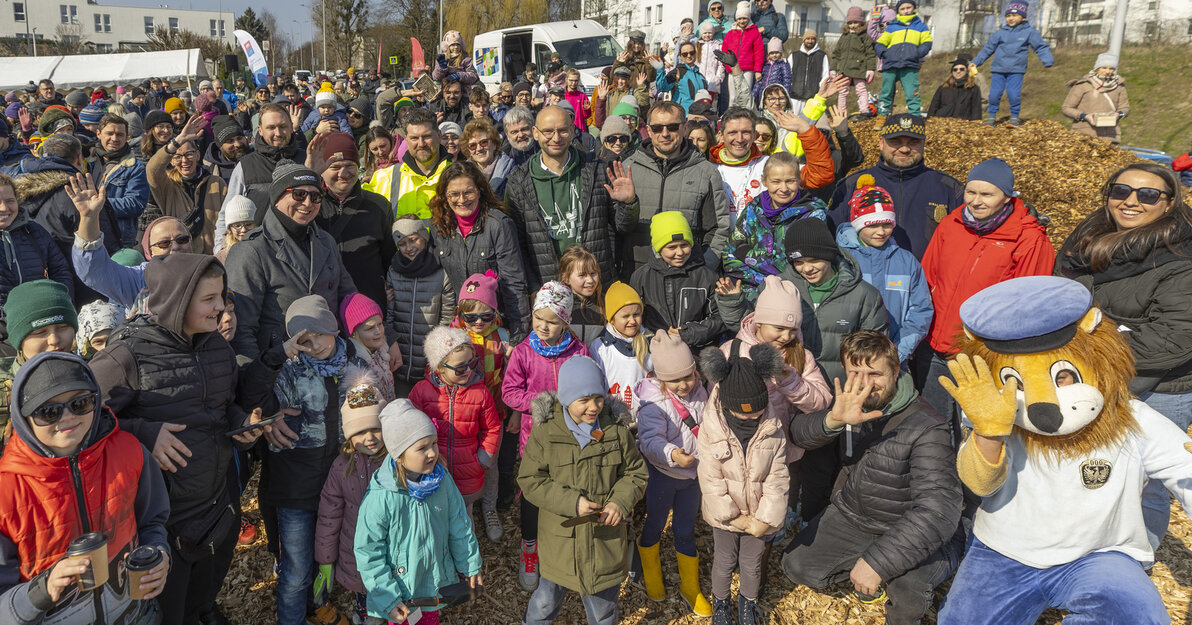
pixel 27 253
pixel 151 373
pixel 680 297
pixel 360 225
pixel 491 244
pixel 958 102
pixel 1147 292
pixel 900 482
pixel 604 220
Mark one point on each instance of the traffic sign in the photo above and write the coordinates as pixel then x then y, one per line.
pixel 393 60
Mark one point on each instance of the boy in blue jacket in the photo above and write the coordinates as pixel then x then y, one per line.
pixel 1010 46
pixel 893 271
pixel 902 48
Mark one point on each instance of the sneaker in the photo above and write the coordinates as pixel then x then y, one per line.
pixel 528 576
pixel 748 613
pixel 248 532
pixel 492 525
pixel 989 121
pixel 1015 122
pixel 722 612
pixel 326 614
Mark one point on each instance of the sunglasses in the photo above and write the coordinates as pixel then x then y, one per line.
pixel 462 367
pixel 716 8
pixel 478 145
pixel 49 414
pixel 674 127
pixel 478 317
pixel 617 139
pixel 1146 195
pixel 355 115
pixel 301 196
pixel 764 137
pixel 687 55
pixel 167 243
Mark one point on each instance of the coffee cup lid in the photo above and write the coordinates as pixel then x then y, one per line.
pixel 144 557
pixel 86 544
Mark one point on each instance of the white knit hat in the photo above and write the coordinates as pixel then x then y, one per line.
pixel 744 9
pixel 402 425
pixel 240 209
pixel 441 342
pixel 324 97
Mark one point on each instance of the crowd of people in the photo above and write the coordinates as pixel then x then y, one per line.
pixel 675 298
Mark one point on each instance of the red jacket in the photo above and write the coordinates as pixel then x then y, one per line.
pixel 467 421
pixel 958 263
pixel 748 46
pixel 39 508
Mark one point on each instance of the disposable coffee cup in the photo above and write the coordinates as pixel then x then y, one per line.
pixel 95 547
pixel 140 561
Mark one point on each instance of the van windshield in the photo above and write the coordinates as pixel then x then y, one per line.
pixel 588 52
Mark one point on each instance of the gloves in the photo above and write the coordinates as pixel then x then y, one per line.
pixel 442 61
pixel 452 77
pixel 485 458
pixel 325 579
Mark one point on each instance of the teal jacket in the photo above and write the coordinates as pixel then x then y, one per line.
pixel 407 549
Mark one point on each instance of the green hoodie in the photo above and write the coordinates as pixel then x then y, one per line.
pixel 559 196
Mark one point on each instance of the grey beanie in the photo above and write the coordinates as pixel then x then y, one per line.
pixel 312 314
pixel 77 97
pixel 288 175
pixel 614 126
pixel 580 377
pixel 402 425
pixel 631 101
pixel 403 228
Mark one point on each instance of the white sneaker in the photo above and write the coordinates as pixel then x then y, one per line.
pixel 492 525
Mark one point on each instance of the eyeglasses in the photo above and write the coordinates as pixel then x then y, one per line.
pixel 617 139
pixel 183 239
pixel 243 226
pixel 1146 195
pixel 555 131
pixel 478 145
pixel 774 98
pixel 300 195
pixel 462 195
pixel 49 414
pixel 462 367
pixel 658 128
pixel 186 156
pixel 478 317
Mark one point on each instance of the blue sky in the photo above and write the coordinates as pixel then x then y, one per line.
pixel 283 9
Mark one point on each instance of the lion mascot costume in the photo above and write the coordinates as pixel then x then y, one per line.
pixel 1059 453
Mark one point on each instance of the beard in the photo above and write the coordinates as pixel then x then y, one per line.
pixel 878 399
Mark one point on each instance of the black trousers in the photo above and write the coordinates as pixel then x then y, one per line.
pixel 192 585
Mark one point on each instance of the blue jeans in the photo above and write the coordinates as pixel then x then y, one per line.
pixel 1012 85
pixel 1106 588
pixel 663 494
pixel 1156 503
pixel 544 605
pixel 295 575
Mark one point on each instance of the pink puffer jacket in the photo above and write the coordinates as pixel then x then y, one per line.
pixel 735 481
pixel 747 45
pixel 339 505
pixel 527 375
pixel 797 393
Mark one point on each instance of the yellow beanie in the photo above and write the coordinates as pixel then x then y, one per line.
pixel 174 104
pixel 326 87
pixel 665 226
pixel 619 295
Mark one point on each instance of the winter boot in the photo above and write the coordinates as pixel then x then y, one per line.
pixel 689 585
pixel 722 612
pixel 748 613
pixel 1014 122
pixel 528 575
pixel 990 121
pixel 652 572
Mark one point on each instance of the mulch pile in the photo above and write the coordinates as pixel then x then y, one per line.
pixel 1058 171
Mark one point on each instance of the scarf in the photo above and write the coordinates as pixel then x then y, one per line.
pixel 611 337
pixel 465 224
pixel 743 429
pixel 426 486
pixel 982 227
pixel 1102 85
pixel 273 154
pixel 549 351
pixel 420 266
pixel 774 213
pixel 330 367
pixel 116 155
pixel 817 293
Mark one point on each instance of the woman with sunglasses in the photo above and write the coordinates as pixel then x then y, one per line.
pixel 959 96
pixel 617 141
pixel 685 80
pixel 359 112
pixel 1135 255
pixel 481 144
pixel 183 188
pixel 992 237
pixel 472 234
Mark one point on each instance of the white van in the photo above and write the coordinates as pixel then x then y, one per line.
pixel 501 55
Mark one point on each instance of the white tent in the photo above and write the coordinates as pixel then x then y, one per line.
pixel 101 70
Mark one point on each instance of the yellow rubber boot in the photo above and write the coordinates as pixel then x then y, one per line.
pixel 652 572
pixel 689 585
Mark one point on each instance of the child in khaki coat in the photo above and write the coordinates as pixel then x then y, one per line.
pixel 742 473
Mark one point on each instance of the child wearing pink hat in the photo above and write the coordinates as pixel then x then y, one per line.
pixel 364 322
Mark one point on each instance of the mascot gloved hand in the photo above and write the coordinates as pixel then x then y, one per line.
pixel 992 412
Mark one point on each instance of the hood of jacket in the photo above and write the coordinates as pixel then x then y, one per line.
pixel 547 407
pixel 386 476
pixel 848 275
pixel 43 183
pixel 171 281
pixel 810 52
pixel 101 425
pixel 216 158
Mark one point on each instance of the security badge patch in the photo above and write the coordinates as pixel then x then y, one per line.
pixel 1094 473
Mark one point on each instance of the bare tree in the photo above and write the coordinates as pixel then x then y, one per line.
pixel 164 39
pixel 70 38
pixel 347 21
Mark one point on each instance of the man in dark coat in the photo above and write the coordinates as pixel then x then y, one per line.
pixel 563 196
pixel 451 106
pixel 228 147
pixel 895 514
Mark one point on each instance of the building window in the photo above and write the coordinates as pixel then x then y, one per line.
pixel 18 11
pixel 148 24
pixel 98 23
pixel 212 28
pixel 103 23
pixel 221 28
pixel 658 14
pixel 173 24
pixel 649 12
pixel 1190 27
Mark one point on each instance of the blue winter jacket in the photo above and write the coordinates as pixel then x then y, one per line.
pixel 128 192
pixel 1010 47
pixel 905 43
pixel 772 21
pixel 683 90
pixel 11 158
pixel 898 276
pixel 27 253
pixel 406 549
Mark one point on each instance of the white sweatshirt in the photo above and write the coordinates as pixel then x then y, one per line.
pixel 1052 513
pixel 621 372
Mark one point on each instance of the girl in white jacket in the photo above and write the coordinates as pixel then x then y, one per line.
pixel 712 69
pixel 623 350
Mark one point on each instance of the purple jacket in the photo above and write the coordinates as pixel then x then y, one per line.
pixel 527 375
pixel 339 505
pixel 660 429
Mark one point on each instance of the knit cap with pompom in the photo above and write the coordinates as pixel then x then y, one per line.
pixel 870 204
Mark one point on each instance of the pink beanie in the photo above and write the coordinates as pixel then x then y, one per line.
pixel 481 287
pixel 356 309
pixel 779 304
pixel 774 45
pixel 671 356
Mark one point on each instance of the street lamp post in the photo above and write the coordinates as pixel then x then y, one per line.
pixel 324 3
pixel 34 41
